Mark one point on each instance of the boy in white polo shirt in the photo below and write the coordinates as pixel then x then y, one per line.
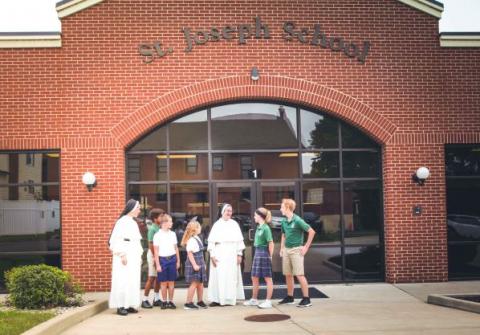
pixel 167 260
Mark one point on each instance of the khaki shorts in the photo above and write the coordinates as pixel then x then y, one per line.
pixel 152 269
pixel 292 262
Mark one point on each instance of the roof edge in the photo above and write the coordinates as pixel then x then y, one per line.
pixel 47 39
pixel 430 7
pixel 69 7
pixel 469 39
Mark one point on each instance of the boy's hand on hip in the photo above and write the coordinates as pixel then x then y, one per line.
pixel 304 250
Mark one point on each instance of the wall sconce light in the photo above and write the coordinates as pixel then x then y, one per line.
pixel 255 74
pixel 421 175
pixel 89 180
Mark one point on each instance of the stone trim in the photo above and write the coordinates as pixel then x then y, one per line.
pixel 30 40
pixel 69 7
pixel 430 7
pixel 460 39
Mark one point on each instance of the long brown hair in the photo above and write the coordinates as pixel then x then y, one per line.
pixel 190 231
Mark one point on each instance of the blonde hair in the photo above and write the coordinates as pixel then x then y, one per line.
pixel 289 204
pixel 165 218
pixel 265 212
pixel 190 231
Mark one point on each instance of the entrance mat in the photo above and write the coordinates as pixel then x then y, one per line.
pixel 267 317
pixel 280 293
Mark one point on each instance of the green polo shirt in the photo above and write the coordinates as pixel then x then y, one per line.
pixel 152 229
pixel 263 235
pixel 294 231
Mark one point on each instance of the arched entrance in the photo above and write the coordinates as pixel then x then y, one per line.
pixel 253 154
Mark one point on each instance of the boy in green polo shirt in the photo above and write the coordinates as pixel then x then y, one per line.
pixel 293 251
pixel 155 215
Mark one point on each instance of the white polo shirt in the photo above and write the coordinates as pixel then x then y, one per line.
pixel 166 241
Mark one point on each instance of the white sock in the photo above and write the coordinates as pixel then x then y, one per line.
pixel 145 298
pixel 156 296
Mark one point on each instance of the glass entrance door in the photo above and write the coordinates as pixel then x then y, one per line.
pixel 245 197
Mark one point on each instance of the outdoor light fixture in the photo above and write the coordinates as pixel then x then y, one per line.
pixel 89 180
pixel 255 74
pixel 421 175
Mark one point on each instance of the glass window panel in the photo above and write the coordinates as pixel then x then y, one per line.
pixel 29 219
pixel 254 126
pixel 463 212
pixel 189 132
pixel 33 168
pixel 187 201
pixel 155 141
pixel 320 165
pixel 321 210
pixel 354 138
pixel 147 167
pixel 462 161
pixel 188 166
pixel 275 165
pixel 357 164
pixel 318 131
pixel 10 261
pixel 362 212
pixel 364 262
pixel 464 261
pixel 150 195
pixel 323 264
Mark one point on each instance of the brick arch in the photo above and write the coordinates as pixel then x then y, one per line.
pixel 234 88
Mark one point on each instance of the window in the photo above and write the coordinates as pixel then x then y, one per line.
pixel 217 163
pixel 246 166
pixel 29 210
pixel 191 165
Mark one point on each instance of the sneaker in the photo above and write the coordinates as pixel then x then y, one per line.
pixel 157 303
pixel 171 305
pixel 265 304
pixel 122 311
pixel 163 305
pixel 305 302
pixel 201 304
pixel 214 304
pixel 146 304
pixel 190 305
pixel 132 310
pixel 288 300
pixel 251 302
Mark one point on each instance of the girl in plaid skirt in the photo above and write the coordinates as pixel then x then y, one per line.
pixel 195 269
pixel 262 261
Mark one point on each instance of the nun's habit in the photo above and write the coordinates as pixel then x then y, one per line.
pixel 225 243
pixel 126 240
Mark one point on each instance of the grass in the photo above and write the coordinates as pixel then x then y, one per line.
pixel 16 322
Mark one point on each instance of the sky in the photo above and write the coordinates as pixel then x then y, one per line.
pixel 40 15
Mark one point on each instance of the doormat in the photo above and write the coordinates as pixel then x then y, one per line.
pixel 267 317
pixel 280 293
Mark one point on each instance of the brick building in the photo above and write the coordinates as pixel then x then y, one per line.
pixel 187 104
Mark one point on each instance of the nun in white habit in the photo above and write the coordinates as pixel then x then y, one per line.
pixel 126 248
pixel 225 245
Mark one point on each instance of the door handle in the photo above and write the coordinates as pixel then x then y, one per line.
pixel 250 231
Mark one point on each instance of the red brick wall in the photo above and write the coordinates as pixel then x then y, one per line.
pixel 94 96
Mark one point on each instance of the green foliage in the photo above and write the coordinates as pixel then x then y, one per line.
pixel 41 286
pixel 16 322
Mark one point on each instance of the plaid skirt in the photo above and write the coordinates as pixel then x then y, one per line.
pixel 190 274
pixel 262 264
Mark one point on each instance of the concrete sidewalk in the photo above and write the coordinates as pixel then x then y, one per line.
pixel 350 309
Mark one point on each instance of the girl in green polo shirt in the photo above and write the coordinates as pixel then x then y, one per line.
pixel 262 261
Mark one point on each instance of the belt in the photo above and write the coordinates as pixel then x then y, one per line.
pixel 168 257
pixel 126 239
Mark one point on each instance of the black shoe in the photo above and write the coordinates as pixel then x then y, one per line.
pixel 201 304
pixel 157 303
pixel 214 304
pixel 163 305
pixel 132 310
pixel 171 305
pixel 305 302
pixel 122 311
pixel 190 305
pixel 146 304
pixel 288 300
